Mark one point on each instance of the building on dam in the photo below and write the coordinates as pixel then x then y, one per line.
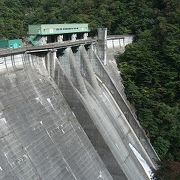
pixel 10 43
pixel 50 33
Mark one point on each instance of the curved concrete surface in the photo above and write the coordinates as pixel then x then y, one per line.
pixel 106 116
pixel 40 137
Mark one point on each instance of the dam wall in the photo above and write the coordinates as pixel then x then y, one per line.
pixel 93 95
pixel 40 137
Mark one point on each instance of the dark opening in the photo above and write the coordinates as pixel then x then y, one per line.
pixel 52 39
pixel 67 37
pixel 80 35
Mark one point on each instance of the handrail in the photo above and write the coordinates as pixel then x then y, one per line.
pixel 46 47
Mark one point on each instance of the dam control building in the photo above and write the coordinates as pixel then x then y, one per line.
pixel 51 33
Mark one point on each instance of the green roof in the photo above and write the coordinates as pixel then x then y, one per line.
pixel 50 29
pixel 11 43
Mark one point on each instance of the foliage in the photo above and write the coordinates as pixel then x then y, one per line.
pixel 151 72
pixel 119 16
pixel 169 171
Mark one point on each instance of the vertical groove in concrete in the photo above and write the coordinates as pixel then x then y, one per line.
pixel 88 125
pixel 88 67
pixel 40 137
pixel 77 74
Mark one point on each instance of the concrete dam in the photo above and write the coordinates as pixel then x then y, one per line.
pixel 64 116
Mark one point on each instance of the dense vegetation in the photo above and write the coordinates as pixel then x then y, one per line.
pixel 150 67
pixel 119 16
pixel 151 73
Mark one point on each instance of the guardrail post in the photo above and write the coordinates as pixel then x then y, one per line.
pixel 102 44
pixel 52 62
pixel 50 59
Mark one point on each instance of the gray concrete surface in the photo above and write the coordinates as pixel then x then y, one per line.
pixel 69 99
pixel 40 138
pixel 105 117
pixel 111 78
pixel 69 91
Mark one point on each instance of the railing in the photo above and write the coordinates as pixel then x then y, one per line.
pixel 4 52
pixel 46 47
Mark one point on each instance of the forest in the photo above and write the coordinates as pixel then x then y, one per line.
pixel 150 67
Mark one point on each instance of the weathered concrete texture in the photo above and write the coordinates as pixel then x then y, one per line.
pixel 102 45
pixel 111 78
pixel 95 99
pixel 40 137
pixel 119 42
pixel 104 113
pixel 115 74
pixel 69 92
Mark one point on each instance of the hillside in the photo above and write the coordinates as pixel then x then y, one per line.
pixel 119 16
pixel 151 72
